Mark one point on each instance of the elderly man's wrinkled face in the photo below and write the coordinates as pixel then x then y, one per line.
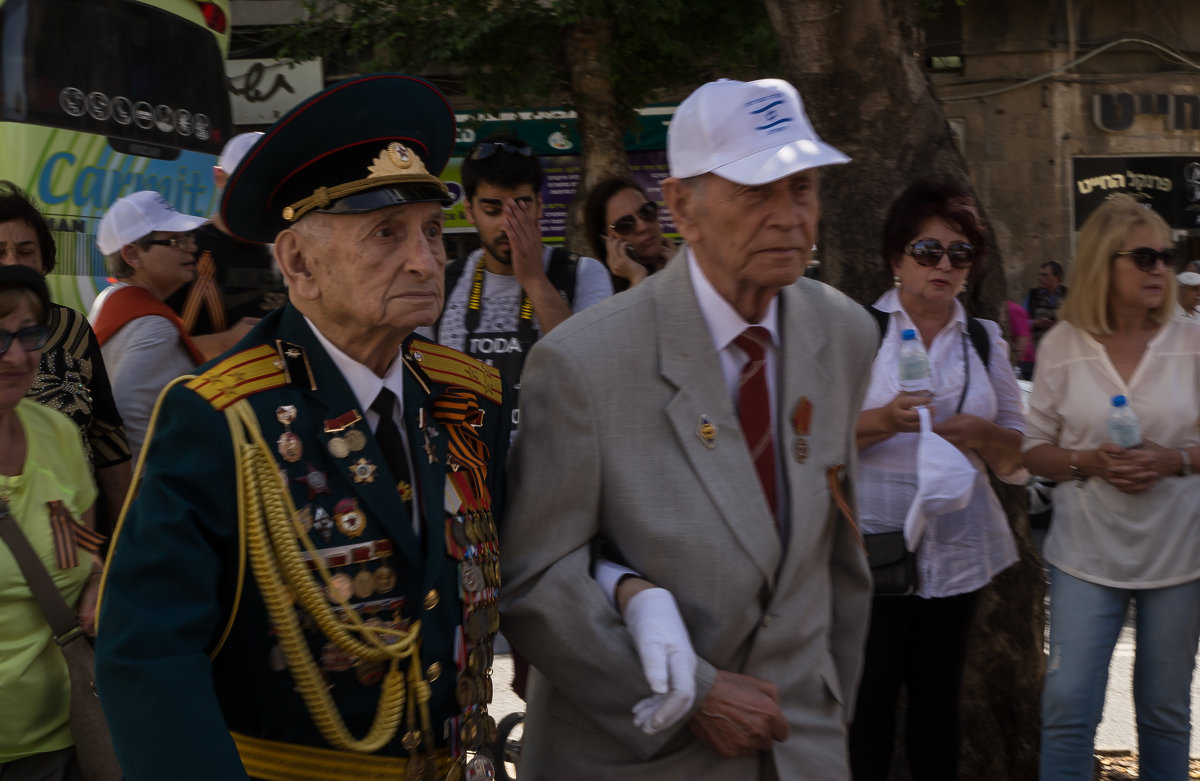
pixel 1189 297
pixel 751 240
pixel 373 274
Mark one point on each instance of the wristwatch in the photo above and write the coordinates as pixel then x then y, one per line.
pixel 1185 468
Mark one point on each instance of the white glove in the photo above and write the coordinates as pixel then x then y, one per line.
pixel 668 661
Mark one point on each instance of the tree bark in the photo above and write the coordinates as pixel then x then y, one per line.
pixel 858 67
pixel 587 49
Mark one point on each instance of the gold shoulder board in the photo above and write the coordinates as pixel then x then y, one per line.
pixel 239 376
pixel 450 367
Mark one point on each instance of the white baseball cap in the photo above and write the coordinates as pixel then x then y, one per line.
pixel 747 132
pixel 1188 279
pixel 235 149
pixel 136 216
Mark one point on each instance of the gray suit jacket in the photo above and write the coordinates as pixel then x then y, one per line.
pixel 609 445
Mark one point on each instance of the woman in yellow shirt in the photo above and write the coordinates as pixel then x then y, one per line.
pixel 43 470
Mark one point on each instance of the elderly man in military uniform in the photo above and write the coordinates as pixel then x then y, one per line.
pixel 303 586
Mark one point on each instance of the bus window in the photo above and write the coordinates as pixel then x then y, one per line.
pixel 98 100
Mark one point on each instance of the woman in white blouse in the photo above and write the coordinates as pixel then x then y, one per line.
pixel 1126 522
pixel 932 241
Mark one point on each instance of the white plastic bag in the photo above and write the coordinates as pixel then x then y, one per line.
pixel 945 481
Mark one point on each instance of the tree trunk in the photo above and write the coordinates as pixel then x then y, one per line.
pixel 588 48
pixel 858 67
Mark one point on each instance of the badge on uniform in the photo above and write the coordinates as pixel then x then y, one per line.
pixel 288 444
pixel 707 431
pixel 349 518
pixel 801 427
pixel 363 471
pixel 315 479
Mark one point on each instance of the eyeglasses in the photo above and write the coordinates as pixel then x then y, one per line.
pixel 180 241
pixel 647 212
pixel 33 337
pixel 928 252
pixel 486 149
pixel 1146 258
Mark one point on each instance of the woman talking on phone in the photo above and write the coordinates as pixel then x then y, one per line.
pixel 622 226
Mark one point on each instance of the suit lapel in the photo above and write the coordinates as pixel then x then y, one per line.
pixel 721 462
pixel 430 474
pixel 333 398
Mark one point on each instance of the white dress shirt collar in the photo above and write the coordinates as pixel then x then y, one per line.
pixel 364 383
pixel 723 321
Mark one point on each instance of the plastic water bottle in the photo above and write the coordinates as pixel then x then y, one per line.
pixel 1123 428
pixel 914 364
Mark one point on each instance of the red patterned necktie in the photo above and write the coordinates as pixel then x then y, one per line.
pixel 754 409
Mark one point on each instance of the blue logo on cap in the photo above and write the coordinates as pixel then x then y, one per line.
pixel 773 119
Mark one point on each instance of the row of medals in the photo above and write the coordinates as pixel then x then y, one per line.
pixel 476 546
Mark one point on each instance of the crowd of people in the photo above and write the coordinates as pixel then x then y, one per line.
pixel 735 526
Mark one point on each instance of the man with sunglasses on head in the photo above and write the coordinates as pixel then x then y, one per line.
pixel 676 566
pixel 506 295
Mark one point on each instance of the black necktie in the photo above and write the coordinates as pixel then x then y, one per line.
pixel 392 444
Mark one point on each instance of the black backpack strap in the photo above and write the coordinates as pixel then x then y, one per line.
pixel 454 270
pixel 564 267
pixel 979 338
pixel 881 319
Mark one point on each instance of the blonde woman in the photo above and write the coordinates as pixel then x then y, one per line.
pixel 1126 521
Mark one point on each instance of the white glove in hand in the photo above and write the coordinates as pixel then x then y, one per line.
pixel 668 661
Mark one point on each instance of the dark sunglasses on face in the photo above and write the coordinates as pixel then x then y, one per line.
pixel 928 252
pixel 624 225
pixel 31 338
pixel 1146 258
pixel 183 241
pixel 488 148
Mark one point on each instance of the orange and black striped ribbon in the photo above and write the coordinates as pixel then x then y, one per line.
pixel 70 535
pixel 204 291
pixel 458 412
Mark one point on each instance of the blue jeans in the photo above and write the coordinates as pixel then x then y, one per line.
pixel 1085 620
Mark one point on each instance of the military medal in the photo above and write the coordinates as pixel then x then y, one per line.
pixel 288 445
pixel 801 425
pixel 466 691
pixel 338 447
pixel 323 524
pixel 384 578
pixel 364 584
pixel 404 488
pixel 363 471
pixel 707 431
pixel 472 576
pixel 316 481
pixel 340 588
pixel 349 518
pixel 355 440
pixel 481 768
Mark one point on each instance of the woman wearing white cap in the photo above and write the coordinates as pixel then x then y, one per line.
pixel 152 253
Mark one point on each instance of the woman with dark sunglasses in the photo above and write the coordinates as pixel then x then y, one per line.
pixel 916 642
pixel 624 231
pixel 45 485
pixel 1126 521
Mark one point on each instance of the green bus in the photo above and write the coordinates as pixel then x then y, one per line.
pixel 100 98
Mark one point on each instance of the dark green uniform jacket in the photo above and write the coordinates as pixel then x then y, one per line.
pixel 186 651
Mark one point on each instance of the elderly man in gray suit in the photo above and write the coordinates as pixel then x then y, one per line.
pixel 700 427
